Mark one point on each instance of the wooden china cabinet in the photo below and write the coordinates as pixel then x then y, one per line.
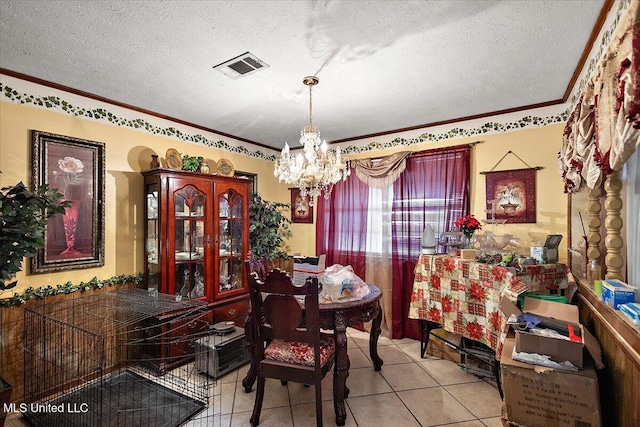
pixel 196 238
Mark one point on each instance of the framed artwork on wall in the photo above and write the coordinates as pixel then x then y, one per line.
pixel 301 209
pixel 76 167
pixel 511 194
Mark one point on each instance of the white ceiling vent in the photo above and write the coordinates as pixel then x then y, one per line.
pixel 242 65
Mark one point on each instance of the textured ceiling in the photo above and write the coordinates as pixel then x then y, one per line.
pixel 382 65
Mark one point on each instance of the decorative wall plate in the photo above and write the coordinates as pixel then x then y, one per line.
pixel 225 167
pixel 174 160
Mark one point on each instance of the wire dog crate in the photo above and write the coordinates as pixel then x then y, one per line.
pixel 92 361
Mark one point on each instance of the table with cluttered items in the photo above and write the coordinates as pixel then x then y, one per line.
pixel 463 296
pixel 345 301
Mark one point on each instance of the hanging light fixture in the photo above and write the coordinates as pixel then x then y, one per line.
pixel 317 169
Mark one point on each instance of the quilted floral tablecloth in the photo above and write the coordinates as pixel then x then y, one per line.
pixel 463 296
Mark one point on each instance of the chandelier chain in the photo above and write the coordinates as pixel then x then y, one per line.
pixel 310 106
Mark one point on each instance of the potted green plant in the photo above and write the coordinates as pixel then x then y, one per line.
pixel 191 163
pixel 24 214
pixel 268 228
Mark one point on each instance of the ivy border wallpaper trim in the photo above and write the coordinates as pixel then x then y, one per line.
pixel 101 114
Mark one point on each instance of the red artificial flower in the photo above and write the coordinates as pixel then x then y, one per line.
pixel 468 224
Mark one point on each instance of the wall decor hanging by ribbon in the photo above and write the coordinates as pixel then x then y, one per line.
pixel 511 194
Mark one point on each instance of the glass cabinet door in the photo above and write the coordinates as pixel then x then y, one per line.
pixel 152 245
pixel 231 238
pixel 190 240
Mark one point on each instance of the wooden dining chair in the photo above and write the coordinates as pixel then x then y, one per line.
pixel 289 343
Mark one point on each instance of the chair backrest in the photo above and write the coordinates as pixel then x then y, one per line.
pixel 287 312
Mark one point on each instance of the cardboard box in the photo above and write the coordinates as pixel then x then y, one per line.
pixel 547 254
pixel 537 396
pixel 308 266
pixel 536 253
pixel 437 346
pixel 313 264
pixel 616 293
pixel 558 350
pixel 632 311
pixel 468 254
pixel 299 277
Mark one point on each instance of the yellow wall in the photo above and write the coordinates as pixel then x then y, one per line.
pixel 536 147
pixel 129 151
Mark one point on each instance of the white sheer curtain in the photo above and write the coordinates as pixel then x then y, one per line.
pixel 631 183
pixel 378 257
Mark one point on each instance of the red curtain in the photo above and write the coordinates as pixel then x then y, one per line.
pixel 433 189
pixel 342 224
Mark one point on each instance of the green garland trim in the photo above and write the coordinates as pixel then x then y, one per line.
pixel 67 288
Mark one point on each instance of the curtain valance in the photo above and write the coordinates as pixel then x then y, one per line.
pixel 603 130
pixel 382 172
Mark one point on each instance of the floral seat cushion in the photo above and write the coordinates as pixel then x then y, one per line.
pixel 300 353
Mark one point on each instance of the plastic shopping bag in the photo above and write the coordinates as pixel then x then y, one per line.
pixel 340 282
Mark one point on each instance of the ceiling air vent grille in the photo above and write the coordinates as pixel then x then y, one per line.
pixel 242 65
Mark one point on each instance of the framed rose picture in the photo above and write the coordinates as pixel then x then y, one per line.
pixel 301 209
pixel 76 167
pixel 512 194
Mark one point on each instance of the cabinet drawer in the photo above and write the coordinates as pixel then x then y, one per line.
pixel 182 332
pixel 236 311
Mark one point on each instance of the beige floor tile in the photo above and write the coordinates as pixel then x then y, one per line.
pixel 407 376
pixel 366 381
pixel 434 406
pixel 360 342
pixel 222 421
pixel 210 420
pixel 15 421
pixel 399 341
pixel 228 396
pixel 305 415
pixel 480 398
pixel 216 388
pixel 446 372
pixel 361 339
pixel 411 349
pixel 392 355
pixel 467 424
pixel 299 393
pixel 216 403
pixel 358 358
pixel 231 377
pixel 269 417
pixel 492 422
pixel 275 395
pixel 381 409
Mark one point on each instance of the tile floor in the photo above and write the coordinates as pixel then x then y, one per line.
pixel 409 391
